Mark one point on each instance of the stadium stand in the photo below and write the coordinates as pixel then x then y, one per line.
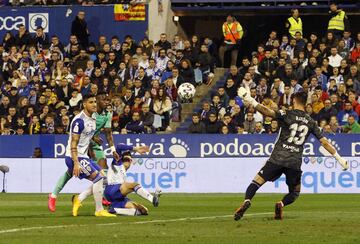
pixel 43 79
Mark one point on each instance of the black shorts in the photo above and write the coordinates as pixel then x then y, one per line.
pixel 272 172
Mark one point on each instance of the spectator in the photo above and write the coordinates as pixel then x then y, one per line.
pixel 344 114
pixel 197 126
pixel 147 118
pixel 213 125
pixel 135 126
pixel 162 106
pixel 327 111
pixel 80 30
pixel 259 128
pixel 352 126
pixel 249 124
pixel 187 72
pixel 163 43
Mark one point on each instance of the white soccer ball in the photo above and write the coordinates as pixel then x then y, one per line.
pixel 186 91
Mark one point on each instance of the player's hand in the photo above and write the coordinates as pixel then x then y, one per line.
pixel 98 140
pixel 344 163
pixel 77 169
pixel 142 149
pixel 116 156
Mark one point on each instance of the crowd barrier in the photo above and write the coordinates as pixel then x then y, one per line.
pixel 189 175
pixel 178 145
pixel 56 20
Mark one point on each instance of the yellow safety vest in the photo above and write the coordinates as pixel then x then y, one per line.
pixel 295 26
pixel 337 22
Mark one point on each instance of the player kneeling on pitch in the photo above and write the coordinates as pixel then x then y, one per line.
pixel 286 158
pixel 118 188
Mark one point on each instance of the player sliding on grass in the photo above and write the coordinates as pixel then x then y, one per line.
pixel 82 129
pixel 103 122
pixel 286 158
pixel 118 188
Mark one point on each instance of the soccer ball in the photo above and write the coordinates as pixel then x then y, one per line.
pixel 186 91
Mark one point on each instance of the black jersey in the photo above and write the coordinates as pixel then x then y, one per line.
pixel 295 128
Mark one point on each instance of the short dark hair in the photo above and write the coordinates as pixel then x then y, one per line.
pixel 87 97
pixel 301 97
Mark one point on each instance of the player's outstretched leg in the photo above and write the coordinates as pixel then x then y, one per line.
pixel 250 193
pixel 126 188
pixel 58 187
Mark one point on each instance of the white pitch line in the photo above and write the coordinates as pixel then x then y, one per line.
pixel 119 223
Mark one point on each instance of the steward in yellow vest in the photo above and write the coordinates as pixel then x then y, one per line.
pixel 338 22
pixel 294 23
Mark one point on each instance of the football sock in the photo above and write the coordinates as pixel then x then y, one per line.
pixel 126 211
pixel 290 198
pixel 251 190
pixel 83 195
pixel 98 190
pixel 143 193
pixel 105 171
pixel 60 184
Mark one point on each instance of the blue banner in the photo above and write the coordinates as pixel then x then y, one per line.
pixel 178 145
pixel 57 20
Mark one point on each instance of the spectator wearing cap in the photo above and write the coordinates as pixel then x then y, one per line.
pixel 352 125
pixel 13 95
pixel 25 69
pixel 344 114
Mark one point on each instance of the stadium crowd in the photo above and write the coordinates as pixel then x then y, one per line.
pixel 43 80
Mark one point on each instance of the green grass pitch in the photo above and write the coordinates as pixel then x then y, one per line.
pixel 184 218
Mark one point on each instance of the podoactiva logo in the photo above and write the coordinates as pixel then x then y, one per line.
pixel 38 20
pixel 158 173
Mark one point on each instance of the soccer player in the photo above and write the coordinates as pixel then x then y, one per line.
pixel 118 188
pixel 103 122
pixel 286 158
pixel 82 129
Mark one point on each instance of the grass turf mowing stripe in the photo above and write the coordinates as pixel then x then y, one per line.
pixel 117 223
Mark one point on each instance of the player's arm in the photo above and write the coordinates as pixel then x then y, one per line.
pixel 74 154
pixel 120 148
pixel 244 94
pixel 110 140
pixel 77 127
pixel 326 144
pixel 264 110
